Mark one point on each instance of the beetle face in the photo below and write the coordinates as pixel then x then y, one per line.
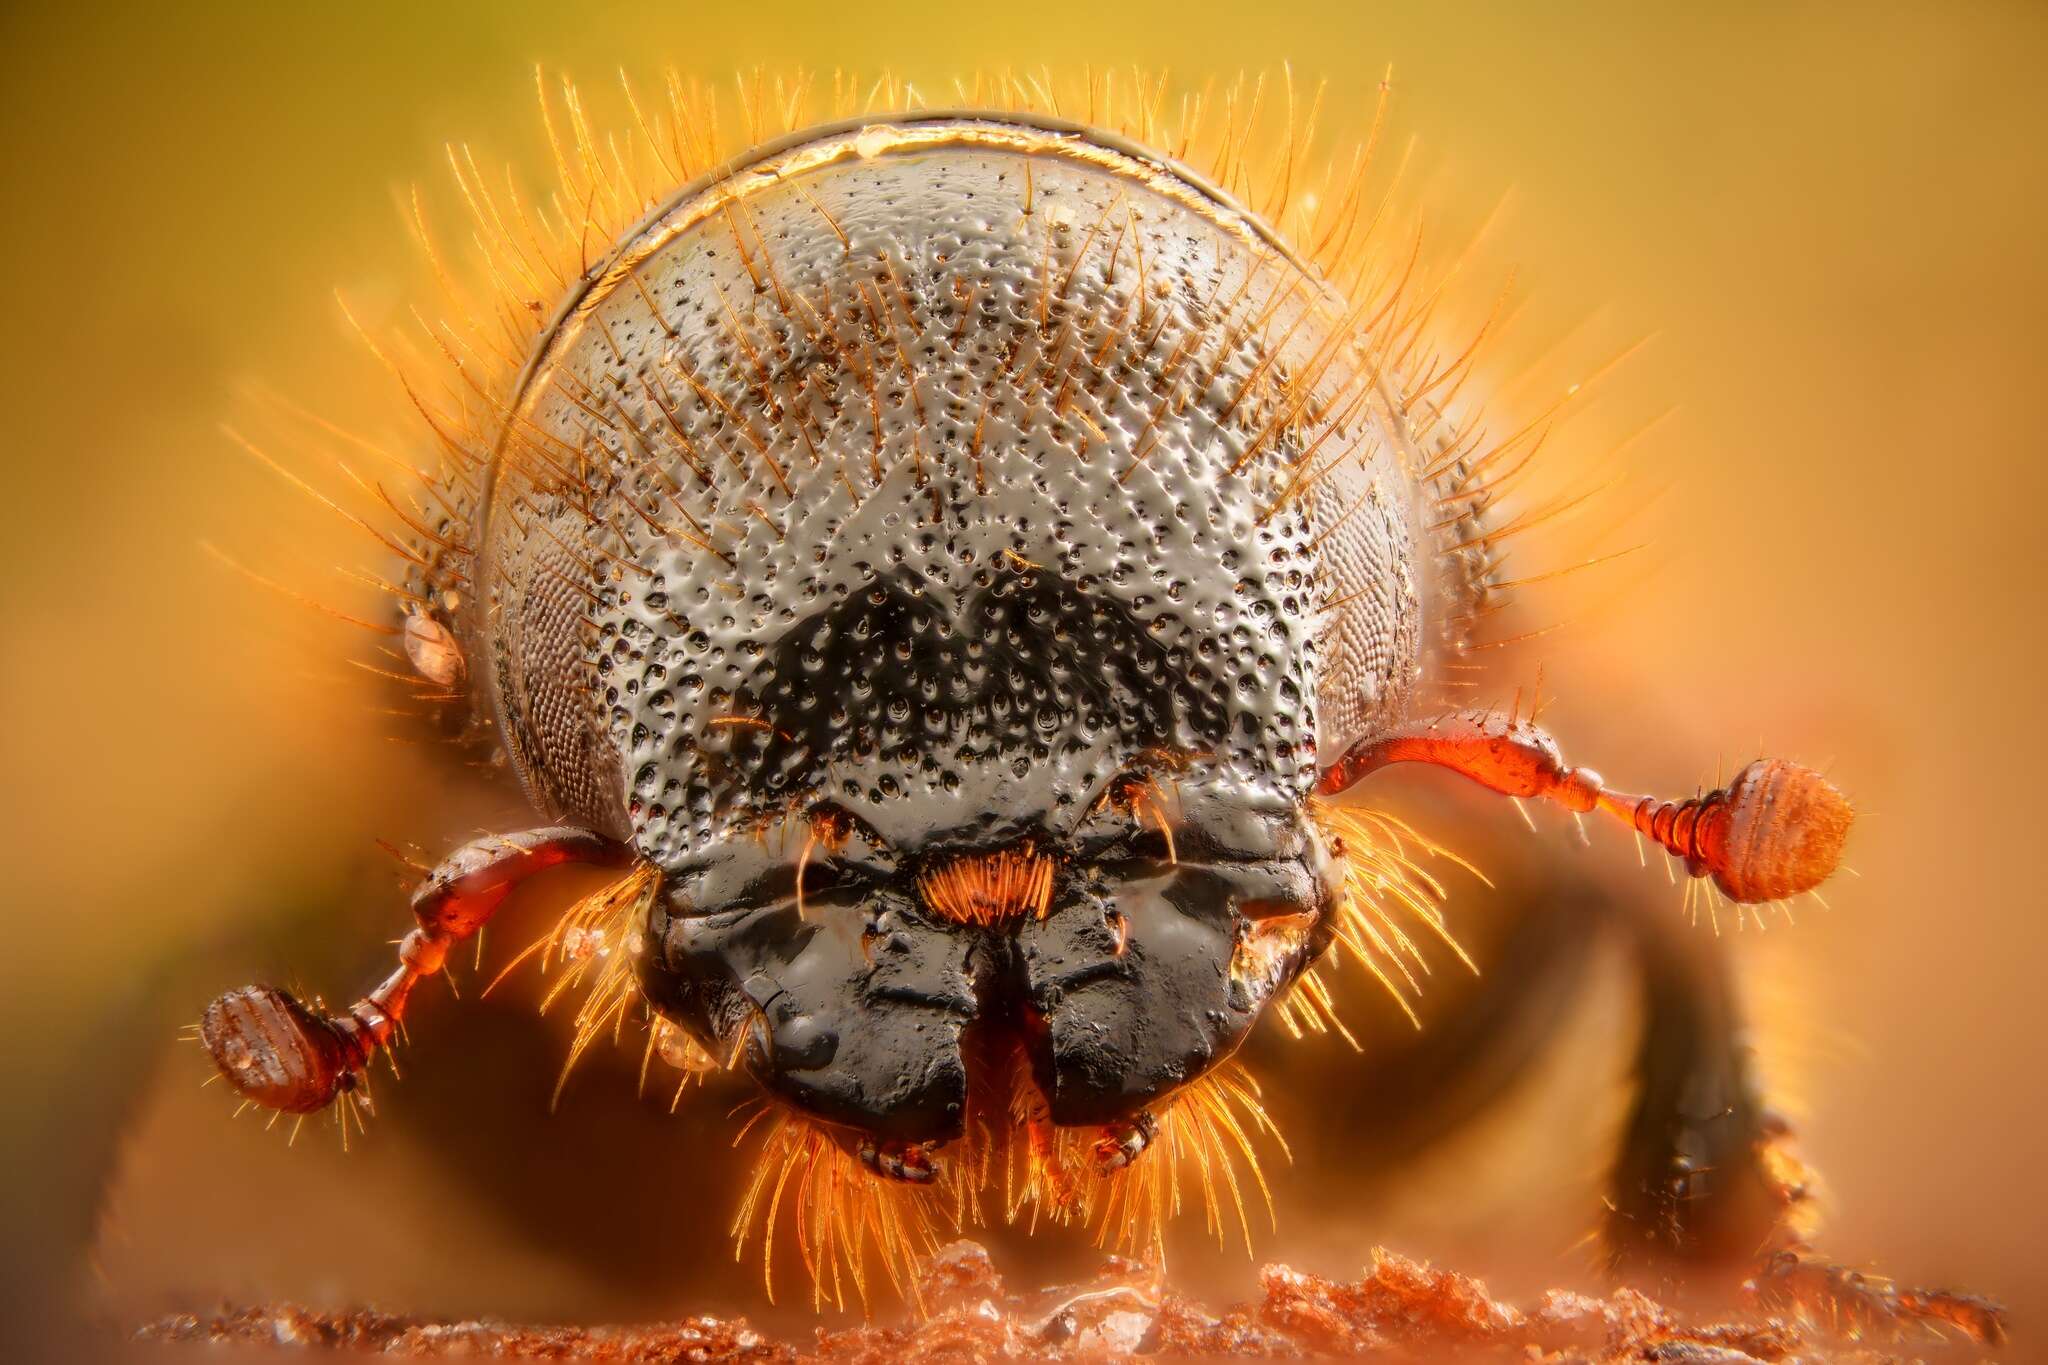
pixel 1105 967
pixel 998 591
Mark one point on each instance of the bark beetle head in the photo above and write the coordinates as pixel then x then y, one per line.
pixel 874 1003
pixel 958 467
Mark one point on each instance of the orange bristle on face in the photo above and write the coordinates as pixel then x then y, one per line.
pixel 990 888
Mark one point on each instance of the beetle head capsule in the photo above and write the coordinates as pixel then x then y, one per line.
pixel 951 470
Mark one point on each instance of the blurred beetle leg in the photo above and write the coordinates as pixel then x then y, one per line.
pixel 279 1053
pixel 1707 1176
pixel 1690 1183
pixel 1775 831
pixel 1124 1141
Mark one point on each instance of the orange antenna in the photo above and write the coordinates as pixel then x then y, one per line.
pixel 1775 831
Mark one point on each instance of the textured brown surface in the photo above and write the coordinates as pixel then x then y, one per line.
pixel 1399 1309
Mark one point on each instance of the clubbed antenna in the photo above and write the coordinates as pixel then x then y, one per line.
pixel 284 1055
pixel 1776 831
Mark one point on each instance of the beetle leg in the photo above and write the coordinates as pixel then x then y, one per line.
pixel 1690 1183
pixel 897 1159
pixel 1707 1176
pixel 1124 1141
pixel 280 1053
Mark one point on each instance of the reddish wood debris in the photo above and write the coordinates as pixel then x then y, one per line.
pixel 1399 1310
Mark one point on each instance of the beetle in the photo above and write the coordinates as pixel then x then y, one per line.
pixel 950 565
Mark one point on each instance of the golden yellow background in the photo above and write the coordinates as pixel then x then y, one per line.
pixel 1831 216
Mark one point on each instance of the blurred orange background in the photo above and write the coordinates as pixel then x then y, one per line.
pixel 1831 218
